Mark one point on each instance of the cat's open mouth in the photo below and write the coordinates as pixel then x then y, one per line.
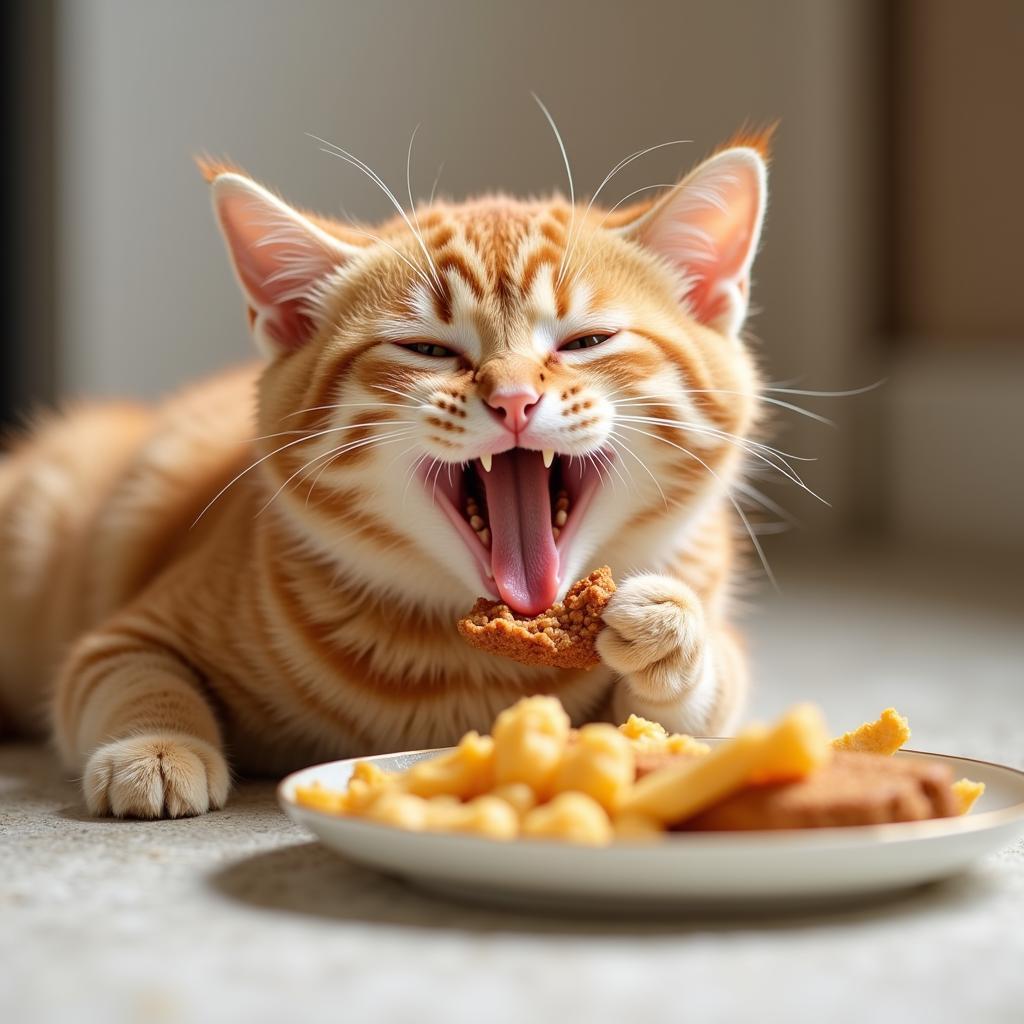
pixel 517 519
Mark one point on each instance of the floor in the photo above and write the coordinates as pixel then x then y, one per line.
pixel 239 916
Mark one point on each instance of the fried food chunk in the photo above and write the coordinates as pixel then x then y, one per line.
pixel 561 637
pixel 853 789
pixel 966 793
pixel 884 736
pixel 651 738
pixel 600 763
pixel 572 817
pixel 529 740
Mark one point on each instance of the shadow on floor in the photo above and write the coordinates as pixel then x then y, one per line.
pixel 308 879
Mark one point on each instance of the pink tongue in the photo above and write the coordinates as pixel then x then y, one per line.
pixel 524 560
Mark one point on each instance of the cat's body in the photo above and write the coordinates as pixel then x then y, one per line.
pixel 310 611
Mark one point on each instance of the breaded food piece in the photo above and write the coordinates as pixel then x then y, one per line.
pixel 651 738
pixel 884 736
pixel 966 793
pixel 852 789
pixel 561 637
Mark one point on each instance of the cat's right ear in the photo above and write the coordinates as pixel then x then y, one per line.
pixel 281 259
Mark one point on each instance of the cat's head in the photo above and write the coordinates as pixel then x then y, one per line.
pixel 488 397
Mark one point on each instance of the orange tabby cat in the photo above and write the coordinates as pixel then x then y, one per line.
pixel 493 352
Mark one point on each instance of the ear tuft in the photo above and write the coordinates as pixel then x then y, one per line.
pixel 281 260
pixel 212 167
pixel 761 139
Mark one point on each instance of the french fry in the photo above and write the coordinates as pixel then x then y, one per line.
pixel 794 747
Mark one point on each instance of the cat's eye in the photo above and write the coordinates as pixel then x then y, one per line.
pixel 584 341
pixel 430 348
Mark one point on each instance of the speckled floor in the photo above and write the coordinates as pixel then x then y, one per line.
pixel 239 916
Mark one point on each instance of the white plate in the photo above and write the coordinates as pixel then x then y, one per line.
pixel 685 869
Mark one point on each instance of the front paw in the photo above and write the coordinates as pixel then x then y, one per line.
pixel 653 635
pixel 165 775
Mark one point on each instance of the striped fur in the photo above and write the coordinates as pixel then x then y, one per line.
pixel 310 612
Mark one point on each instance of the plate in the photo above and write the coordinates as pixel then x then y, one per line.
pixel 685 870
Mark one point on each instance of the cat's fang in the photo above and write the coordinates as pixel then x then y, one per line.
pixel 485 461
pixel 549 457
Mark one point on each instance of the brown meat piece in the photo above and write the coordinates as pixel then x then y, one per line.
pixel 561 637
pixel 853 789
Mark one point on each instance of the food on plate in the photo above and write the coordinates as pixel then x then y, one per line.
pixel 885 735
pixel 790 750
pixel 966 793
pixel 561 637
pixel 851 789
pixel 537 778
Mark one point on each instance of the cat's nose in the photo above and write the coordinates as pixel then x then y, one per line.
pixel 513 408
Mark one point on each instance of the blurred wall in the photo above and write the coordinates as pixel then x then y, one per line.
pixel 147 297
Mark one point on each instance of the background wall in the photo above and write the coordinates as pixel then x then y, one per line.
pixel 889 250
pixel 148 299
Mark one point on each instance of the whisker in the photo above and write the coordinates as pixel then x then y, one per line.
pixel 638 400
pixel 335 451
pixel 725 490
pixel 830 394
pixel 262 459
pixel 344 154
pixel 385 439
pixel 628 449
pixel 572 188
pixel 433 188
pixel 347 405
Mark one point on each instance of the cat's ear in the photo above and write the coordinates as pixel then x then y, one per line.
pixel 281 260
pixel 708 228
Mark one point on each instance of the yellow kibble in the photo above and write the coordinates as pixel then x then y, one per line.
pixel 317 798
pixel 680 743
pixel 465 772
pixel 403 810
pixel 529 739
pixel 637 828
pixel 601 763
pixel 367 771
pixel 885 735
pixel 645 735
pixel 518 795
pixel 487 816
pixel 966 793
pixel 572 817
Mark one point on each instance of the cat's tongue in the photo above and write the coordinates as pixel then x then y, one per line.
pixel 524 559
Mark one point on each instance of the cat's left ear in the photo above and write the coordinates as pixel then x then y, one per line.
pixel 708 228
pixel 281 260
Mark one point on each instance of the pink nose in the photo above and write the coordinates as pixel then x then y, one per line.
pixel 513 408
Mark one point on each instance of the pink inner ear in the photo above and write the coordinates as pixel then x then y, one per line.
pixel 708 229
pixel 279 258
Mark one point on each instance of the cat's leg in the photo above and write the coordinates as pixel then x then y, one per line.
pixel 131 717
pixel 673 667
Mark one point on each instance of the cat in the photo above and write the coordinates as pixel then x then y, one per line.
pixel 267 567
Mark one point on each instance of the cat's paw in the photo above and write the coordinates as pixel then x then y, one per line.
pixel 160 775
pixel 653 635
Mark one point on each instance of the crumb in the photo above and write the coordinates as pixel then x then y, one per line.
pixel 561 637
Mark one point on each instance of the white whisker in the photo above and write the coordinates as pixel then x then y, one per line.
pixel 725 490
pixel 572 188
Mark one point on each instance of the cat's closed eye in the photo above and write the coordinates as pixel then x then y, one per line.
pixel 431 349
pixel 586 341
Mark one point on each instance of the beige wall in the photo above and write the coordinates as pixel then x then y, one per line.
pixel 148 300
